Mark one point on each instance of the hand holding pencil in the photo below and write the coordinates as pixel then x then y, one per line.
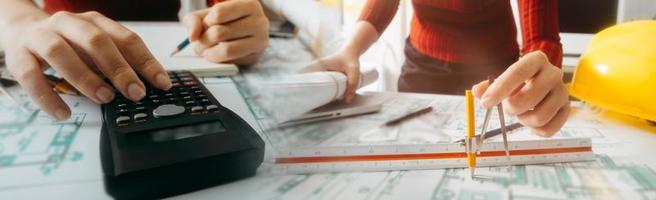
pixel 229 31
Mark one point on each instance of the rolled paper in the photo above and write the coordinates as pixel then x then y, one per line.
pixel 287 97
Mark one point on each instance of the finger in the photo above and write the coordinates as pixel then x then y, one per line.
pixel 546 110
pixel 555 124
pixel 232 50
pixel 100 47
pixel 515 75
pixel 133 50
pixel 60 56
pixel 234 30
pixel 352 81
pixel 194 23
pixel 228 11
pixel 27 71
pixel 533 91
pixel 480 88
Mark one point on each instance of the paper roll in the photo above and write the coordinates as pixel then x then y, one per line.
pixel 291 96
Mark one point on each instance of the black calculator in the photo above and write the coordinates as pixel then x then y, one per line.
pixel 175 141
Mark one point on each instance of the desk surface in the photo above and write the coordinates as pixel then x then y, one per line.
pixel 41 159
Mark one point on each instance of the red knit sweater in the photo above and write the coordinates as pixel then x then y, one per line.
pixel 474 31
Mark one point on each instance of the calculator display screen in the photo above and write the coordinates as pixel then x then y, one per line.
pixel 176 133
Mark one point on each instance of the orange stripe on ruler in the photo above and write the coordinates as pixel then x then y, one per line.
pixel 426 156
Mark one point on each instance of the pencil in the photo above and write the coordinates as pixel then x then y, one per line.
pixel 495 132
pixel 180 46
pixel 471 155
pixel 409 116
pixel 61 86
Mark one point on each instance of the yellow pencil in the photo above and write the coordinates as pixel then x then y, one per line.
pixel 471 155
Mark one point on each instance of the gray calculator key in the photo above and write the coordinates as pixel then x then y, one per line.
pixel 212 108
pixel 168 110
pixel 121 120
pixel 196 109
pixel 140 116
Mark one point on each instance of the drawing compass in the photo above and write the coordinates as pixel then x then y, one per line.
pixel 502 125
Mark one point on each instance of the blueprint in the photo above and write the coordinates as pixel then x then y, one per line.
pixel 600 179
pixel 41 159
pixel 36 150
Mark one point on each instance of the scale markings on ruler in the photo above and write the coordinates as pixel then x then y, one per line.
pixel 429 156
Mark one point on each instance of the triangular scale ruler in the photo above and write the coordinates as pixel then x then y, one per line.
pixel 429 156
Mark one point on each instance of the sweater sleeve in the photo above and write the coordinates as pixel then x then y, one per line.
pixel 379 13
pixel 539 22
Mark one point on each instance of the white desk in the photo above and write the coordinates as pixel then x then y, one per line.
pixel 620 142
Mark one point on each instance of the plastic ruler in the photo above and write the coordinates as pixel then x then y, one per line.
pixel 429 156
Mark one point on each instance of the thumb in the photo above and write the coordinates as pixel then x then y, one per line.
pixel 352 82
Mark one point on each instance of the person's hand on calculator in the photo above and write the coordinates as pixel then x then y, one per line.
pixel 83 48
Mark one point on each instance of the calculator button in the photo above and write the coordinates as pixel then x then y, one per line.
pixel 175 84
pixel 140 109
pixel 211 108
pixel 122 105
pixel 188 83
pixel 189 103
pixel 154 96
pixel 168 94
pixel 205 101
pixel 196 109
pixel 140 117
pixel 122 120
pixel 184 93
pixel 186 97
pixel 198 92
pixel 168 110
pixel 186 78
pixel 184 74
pixel 122 111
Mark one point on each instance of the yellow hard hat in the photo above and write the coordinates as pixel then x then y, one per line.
pixel 618 70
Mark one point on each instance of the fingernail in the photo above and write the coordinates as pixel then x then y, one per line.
pixel 104 94
pixel 163 81
pixel 61 114
pixel 135 92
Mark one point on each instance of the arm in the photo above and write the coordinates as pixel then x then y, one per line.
pixel 539 22
pixel 18 11
pixel 375 17
pixel 77 46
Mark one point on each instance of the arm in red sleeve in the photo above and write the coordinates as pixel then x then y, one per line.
pixel 539 22
pixel 379 13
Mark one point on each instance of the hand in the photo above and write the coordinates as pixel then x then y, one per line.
pixel 231 31
pixel 346 63
pixel 65 41
pixel 533 89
